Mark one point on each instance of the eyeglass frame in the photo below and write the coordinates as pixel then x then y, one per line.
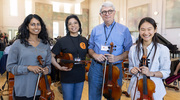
pixel 105 12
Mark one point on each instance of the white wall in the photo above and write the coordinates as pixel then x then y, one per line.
pixel 1 11
pixel 12 22
pixel 173 34
pixel 94 17
pixel 122 11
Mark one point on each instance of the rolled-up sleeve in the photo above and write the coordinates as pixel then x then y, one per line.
pixel 131 58
pixel 91 40
pixel 165 62
pixel 128 40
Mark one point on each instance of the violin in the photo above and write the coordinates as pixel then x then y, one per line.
pixel 125 76
pixel 146 87
pixel 66 59
pixel 87 70
pixel 44 81
pixel 10 85
pixel 111 89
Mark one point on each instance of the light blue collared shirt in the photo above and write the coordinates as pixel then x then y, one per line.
pixel 120 36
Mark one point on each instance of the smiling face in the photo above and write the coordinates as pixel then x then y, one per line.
pixel 147 32
pixel 73 27
pixel 107 14
pixel 34 27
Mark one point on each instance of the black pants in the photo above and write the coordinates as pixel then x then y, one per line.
pixel 25 98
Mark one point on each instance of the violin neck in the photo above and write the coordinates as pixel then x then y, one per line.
pixel 47 83
pixel 68 61
pixel 145 91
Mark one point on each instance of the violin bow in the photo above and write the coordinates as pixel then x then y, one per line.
pixel 103 78
pixel 37 83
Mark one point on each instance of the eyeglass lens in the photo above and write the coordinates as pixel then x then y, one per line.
pixel 105 12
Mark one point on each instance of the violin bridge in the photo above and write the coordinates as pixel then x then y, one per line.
pixel 109 85
pixel 48 93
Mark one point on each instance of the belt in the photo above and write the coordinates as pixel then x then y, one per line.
pixel 103 63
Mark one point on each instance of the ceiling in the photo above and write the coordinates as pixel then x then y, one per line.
pixel 68 1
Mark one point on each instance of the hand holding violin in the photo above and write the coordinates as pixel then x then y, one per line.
pixel 45 70
pixel 35 69
pixel 99 57
pixel 135 70
pixel 64 68
pixel 145 70
pixel 111 58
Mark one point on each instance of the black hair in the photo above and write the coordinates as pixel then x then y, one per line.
pixel 23 32
pixel 154 39
pixel 66 23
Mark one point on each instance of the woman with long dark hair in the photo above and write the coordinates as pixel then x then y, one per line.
pixel 158 66
pixel 72 79
pixel 32 41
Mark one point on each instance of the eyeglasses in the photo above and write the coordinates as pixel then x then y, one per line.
pixel 105 12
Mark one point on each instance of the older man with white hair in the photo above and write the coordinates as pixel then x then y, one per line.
pixel 99 43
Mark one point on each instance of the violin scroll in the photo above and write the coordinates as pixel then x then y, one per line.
pixel 40 59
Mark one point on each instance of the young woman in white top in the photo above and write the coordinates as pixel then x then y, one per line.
pixel 159 60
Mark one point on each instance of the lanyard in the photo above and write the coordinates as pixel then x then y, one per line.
pixel 75 44
pixel 149 53
pixel 109 32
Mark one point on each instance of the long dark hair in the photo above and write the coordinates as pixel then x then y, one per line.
pixel 23 32
pixel 154 39
pixel 66 23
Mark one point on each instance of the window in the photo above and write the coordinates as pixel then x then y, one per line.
pixel 67 8
pixel 77 8
pixel 56 7
pixel 28 7
pixel 65 29
pixel 55 29
pixel 13 8
pixel 10 34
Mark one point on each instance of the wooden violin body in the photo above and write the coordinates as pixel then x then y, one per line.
pixel 44 85
pixel 111 88
pixel 66 59
pixel 10 85
pixel 46 92
pixel 150 90
pixel 65 56
pixel 87 70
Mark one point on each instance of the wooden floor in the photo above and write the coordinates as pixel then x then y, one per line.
pixel 171 93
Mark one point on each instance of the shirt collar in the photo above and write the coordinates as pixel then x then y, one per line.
pixel 109 25
pixel 149 47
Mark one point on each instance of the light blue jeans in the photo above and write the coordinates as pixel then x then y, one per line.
pixel 72 91
pixel 95 79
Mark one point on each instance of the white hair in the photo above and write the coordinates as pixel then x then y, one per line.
pixel 107 4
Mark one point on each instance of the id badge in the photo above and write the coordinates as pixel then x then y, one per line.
pixel 104 48
pixel 77 59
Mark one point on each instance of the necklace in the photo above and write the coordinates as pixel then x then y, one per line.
pixel 34 41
